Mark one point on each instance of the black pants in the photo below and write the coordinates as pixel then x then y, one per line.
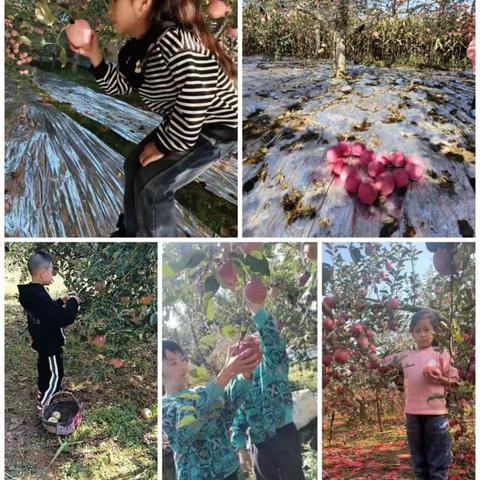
pixel 150 190
pixel 279 457
pixel 50 376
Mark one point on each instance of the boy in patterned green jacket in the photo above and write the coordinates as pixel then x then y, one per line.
pixel 197 420
pixel 268 410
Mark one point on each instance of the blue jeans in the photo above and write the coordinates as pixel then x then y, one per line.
pixel 430 446
pixel 150 191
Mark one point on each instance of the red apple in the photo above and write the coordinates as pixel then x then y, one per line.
pixel 330 302
pixel 227 274
pixel 367 193
pixel 375 168
pixel 356 330
pixel 414 170
pixel 255 291
pixel 327 360
pixel 116 362
pixel 401 178
pixel 328 324
pixel 98 341
pixel 444 262
pixel 366 157
pixel 251 247
pixel 341 356
pixel 384 183
pixel 310 250
pixel 393 304
pixel 334 154
pixel 357 149
pixel 397 159
pixel 79 33
pixel 352 182
pixel 362 342
pixel 345 148
pixel 218 9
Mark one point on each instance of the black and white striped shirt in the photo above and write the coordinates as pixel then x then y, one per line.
pixel 184 82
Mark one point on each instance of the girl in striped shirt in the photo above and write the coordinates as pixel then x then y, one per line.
pixel 182 72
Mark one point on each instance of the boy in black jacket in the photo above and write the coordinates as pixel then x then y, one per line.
pixel 46 319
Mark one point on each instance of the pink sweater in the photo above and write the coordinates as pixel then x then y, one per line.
pixel 419 388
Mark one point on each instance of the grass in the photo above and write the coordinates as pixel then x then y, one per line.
pixel 303 375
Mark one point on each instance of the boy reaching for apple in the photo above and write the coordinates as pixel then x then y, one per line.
pixel 428 373
pixel 46 321
pixel 196 420
pixel 268 408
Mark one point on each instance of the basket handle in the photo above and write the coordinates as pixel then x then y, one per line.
pixel 62 393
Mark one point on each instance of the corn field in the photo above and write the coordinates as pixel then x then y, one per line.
pixel 434 41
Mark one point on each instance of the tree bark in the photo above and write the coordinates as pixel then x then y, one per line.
pixel 341 22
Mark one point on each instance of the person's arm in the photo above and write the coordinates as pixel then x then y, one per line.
pixel 108 76
pixel 111 79
pixel 235 394
pixel 273 344
pixel 54 314
pixel 195 75
pixel 448 376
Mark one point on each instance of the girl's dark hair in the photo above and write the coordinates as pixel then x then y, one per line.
pixel 189 14
pixel 171 346
pixel 433 316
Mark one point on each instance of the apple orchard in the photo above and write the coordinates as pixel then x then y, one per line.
pixel 370 292
pixel 116 283
pixel 205 285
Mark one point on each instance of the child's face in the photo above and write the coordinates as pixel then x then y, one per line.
pixel 423 333
pixel 44 276
pixel 128 15
pixel 175 368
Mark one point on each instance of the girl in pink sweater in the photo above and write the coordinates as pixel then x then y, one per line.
pixel 428 373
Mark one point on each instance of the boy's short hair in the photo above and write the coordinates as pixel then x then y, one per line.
pixel 171 346
pixel 39 260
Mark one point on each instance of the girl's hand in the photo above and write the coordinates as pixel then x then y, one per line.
pixel 436 377
pixel 150 154
pixel 91 51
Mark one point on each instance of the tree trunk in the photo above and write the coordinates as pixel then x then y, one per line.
pixel 318 41
pixel 379 412
pixel 341 21
pixel 363 411
pixel 330 430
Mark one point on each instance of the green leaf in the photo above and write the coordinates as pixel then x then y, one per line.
pixel 63 56
pixel 44 14
pixel 208 340
pixel 228 330
pixel 259 266
pixel 185 421
pixel 201 372
pixel 25 40
pixel 167 270
pixel 211 284
pixel 194 258
pixel 210 309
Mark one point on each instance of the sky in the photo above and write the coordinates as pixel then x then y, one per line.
pixel 424 262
